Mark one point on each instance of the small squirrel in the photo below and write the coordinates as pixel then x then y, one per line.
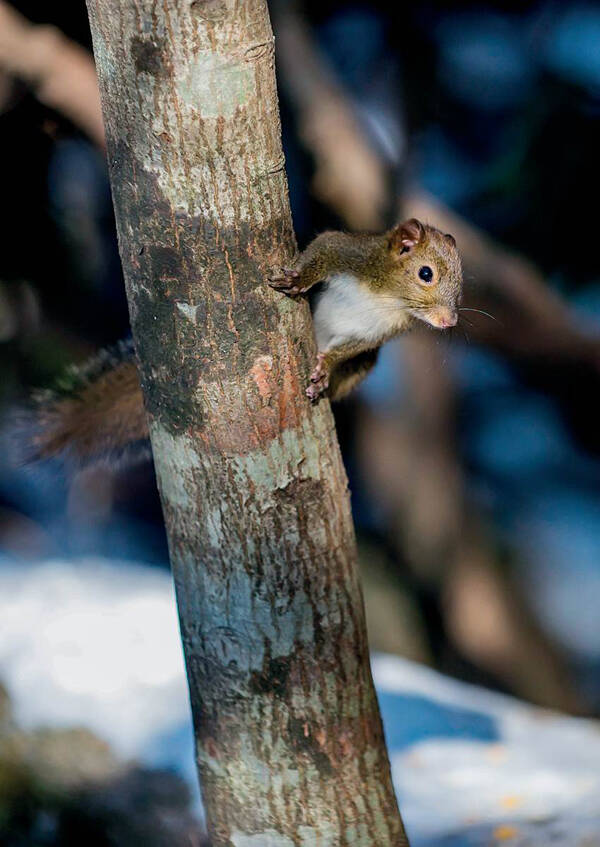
pixel 371 288
pixel 363 290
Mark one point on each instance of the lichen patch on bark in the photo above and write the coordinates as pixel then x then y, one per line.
pixel 216 85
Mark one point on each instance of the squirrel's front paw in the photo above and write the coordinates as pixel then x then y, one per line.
pixel 319 380
pixel 286 280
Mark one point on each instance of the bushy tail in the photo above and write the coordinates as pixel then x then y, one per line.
pixel 95 414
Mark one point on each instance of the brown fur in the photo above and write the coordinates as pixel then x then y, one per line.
pixel 346 376
pixel 387 263
pixel 103 420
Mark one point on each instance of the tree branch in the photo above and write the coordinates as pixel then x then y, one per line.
pixel 60 72
pixel 289 739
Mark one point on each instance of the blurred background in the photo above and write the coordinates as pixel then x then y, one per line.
pixel 473 457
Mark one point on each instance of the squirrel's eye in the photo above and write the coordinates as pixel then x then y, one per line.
pixel 425 273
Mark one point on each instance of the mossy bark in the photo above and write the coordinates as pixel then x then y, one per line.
pixel 289 741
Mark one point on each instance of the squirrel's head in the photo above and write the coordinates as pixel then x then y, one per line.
pixel 428 270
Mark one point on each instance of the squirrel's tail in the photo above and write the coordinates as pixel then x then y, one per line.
pixel 94 414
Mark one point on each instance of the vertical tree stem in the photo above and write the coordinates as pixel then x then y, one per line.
pixel 289 741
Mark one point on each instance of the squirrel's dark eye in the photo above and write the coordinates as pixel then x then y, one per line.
pixel 425 273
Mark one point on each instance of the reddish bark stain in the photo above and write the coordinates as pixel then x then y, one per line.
pixel 261 374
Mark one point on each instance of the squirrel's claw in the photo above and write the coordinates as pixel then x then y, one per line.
pixel 285 281
pixel 314 392
pixel 319 380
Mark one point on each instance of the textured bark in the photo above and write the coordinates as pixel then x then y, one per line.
pixel 289 740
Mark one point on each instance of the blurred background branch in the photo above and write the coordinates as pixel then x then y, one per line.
pixel 349 176
pixel 60 72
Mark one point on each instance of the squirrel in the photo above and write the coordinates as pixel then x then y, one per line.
pixel 363 290
pixel 371 288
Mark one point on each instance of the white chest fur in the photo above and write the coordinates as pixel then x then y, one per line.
pixel 347 311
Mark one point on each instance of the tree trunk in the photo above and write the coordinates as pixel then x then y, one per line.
pixel 289 741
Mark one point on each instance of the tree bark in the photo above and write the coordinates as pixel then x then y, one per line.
pixel 290 747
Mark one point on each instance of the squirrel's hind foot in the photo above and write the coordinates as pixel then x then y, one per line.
pixel 319 379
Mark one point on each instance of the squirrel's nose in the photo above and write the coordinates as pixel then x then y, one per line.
pixel 448 318
pixel 442 317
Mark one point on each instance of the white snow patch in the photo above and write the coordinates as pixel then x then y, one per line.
pixel 544 765
pixel 93 643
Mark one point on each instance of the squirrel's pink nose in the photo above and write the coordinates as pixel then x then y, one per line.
pixel 448 320
pixel 442 317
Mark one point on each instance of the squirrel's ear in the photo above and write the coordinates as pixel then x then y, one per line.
pixel 450 238
pixel 406 235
